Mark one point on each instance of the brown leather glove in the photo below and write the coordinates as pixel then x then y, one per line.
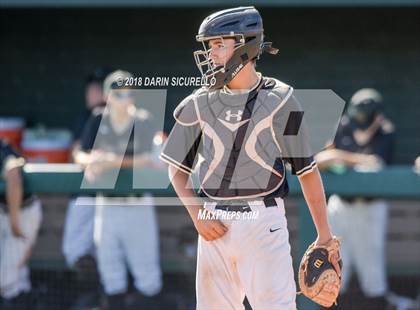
pixel 318 280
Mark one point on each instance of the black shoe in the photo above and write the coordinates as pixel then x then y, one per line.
pixel 86 271
pixel 115 302
pixel 88 300
pixel 376 303
pixel 20 302
pixel 138 301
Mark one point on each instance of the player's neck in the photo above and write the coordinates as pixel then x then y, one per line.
pixel 247 78
pixel 120 120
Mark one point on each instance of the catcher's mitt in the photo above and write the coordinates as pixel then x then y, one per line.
pixel 318 279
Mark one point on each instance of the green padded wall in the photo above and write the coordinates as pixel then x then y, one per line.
pixel 46 54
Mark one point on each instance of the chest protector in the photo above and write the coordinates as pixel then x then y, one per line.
pixel 241 157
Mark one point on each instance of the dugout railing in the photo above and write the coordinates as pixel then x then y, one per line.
pixel 395 182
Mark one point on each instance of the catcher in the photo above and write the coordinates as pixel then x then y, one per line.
pixel 236 126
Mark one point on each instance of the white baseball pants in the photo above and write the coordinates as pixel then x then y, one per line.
pixel 14 252
pixel 78 229
pixel 362 226
pixel 126 236
pixel 248 260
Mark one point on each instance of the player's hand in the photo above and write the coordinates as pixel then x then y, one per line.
pixel 334 260
pixel 417 164
pixel 335 257
pixel 99 163
pixel 15 227
pixel 210 229
pixel 368 162
pixel 373 161
pixel 93 171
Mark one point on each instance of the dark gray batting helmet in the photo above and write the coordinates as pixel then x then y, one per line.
pixel 244 24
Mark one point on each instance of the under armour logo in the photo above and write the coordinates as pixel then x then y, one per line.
pixel 237 115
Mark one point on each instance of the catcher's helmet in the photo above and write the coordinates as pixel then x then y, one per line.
pixel 244 24
pixel 364 106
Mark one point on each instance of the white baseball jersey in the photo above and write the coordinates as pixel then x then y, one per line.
pixel 125 228
pixel 14 251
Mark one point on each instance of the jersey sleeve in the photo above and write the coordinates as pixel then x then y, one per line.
pixel 182 146
pixel 9 158
pixel 385 147
pixel 89 133
pixel 145 131
pixel 292 136
pixel 79 123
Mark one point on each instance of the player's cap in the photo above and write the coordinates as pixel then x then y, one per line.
pixel 366 94
pixel 98 75
pixel 115 80
pixel 365 104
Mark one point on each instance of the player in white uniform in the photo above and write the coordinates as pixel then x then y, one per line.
pixel 364 141
pixel 126 230
pixel 237 125
pixel 20 218
pixel 78 246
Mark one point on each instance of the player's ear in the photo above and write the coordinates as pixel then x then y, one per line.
pixel 106 96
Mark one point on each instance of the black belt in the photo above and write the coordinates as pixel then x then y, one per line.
pixel 234 208
pixel 242 205
pixel 25 204
pixel 106 195
pixel 357 199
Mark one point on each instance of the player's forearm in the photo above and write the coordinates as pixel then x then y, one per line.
pixel 183 187
pixel 327 158
pixel 137 161
pixel 313 191
pixel 127 162
pixel 14 191
pixel 74 150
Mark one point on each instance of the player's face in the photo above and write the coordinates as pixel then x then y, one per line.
pixel 221 50
pixel 93 95
pixel 121 99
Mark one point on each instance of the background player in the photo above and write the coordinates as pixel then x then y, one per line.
pixel 364 141
pixel 126 231
pixel 238 258
pixel 20 218
pixel 78 246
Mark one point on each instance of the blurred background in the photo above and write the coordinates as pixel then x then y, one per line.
pixel 49 49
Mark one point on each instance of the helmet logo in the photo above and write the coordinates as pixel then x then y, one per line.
pixel 236 71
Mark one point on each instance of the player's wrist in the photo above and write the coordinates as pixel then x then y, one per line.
pixel 323 238
pixel 194 210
